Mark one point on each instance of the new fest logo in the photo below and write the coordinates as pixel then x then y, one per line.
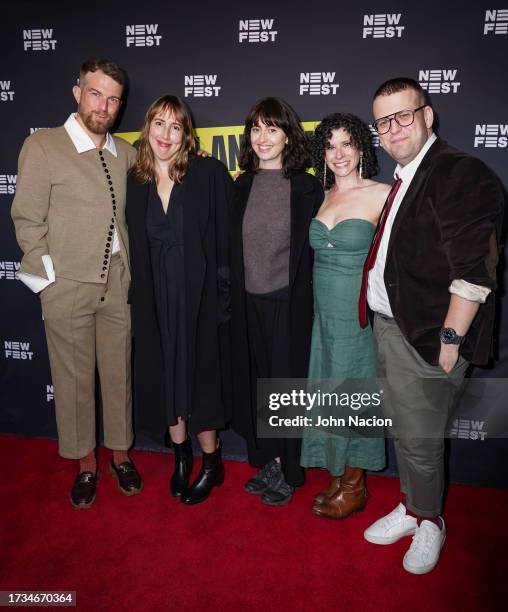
pixel 8 184
pixel 496 22
pixel 142 35
pixel 491 135
pixel 318 83
pixel 6 93
pixel 8 270
pixel 201 86
pixel 40 39
pixel 439 81
pixel 382 25
pixel 223 143
pixel 256 30
pixel 468 429
pixel 17 349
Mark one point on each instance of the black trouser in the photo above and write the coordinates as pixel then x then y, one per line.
pixel 268 332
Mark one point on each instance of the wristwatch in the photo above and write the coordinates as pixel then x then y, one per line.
pixel 449 336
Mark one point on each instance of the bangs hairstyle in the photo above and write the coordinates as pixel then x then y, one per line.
pixel 276 112
pixel 144 167
pixel 361 137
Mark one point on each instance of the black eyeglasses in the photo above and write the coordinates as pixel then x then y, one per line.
pixel 403 118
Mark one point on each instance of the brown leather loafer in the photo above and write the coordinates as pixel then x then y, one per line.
pixel 84 490
pixel 129 480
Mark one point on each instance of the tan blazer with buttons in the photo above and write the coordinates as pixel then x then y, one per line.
pixel 64 206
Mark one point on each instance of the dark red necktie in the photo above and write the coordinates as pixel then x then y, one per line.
pixel 371 257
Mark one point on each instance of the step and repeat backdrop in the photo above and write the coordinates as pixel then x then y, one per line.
pixel 221 57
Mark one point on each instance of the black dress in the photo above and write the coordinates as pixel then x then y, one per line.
pixel 167 320
pixel 165 237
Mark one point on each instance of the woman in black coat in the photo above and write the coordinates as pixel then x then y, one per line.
pixel 177 213
pixel 271 282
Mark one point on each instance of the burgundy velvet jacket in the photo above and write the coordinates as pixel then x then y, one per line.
pixel 448 227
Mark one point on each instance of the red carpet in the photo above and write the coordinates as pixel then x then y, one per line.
pixel 149 552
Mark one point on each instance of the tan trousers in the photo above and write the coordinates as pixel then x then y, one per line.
pixel 88 325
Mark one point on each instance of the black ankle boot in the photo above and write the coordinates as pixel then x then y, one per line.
pixel 183 468
pixel 210 475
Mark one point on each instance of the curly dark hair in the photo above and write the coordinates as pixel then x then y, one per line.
pixel 361 137
pixel 275 111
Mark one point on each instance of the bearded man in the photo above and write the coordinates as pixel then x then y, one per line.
pixel 69 218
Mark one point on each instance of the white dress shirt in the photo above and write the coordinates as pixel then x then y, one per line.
pixel 83 143
pixel 377 296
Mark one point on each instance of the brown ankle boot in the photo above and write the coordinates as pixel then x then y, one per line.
pixel 351 496
pixel 331 488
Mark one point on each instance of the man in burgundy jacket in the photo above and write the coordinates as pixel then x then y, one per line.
pixel 429 280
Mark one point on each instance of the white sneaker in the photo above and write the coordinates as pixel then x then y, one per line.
pixel 391 527
pixel 423 554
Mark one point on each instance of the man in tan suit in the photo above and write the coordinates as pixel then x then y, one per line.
pixel 70 223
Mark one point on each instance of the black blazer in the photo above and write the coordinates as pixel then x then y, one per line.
pixel 306 198
pixel 208 198
pixel 447 228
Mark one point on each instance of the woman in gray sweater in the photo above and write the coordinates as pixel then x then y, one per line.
pixel 271 290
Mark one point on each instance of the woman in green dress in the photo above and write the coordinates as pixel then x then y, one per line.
pixel 341 233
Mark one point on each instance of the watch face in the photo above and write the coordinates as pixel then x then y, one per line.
pixel 448 335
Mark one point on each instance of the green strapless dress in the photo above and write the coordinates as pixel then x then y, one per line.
pixel 340 347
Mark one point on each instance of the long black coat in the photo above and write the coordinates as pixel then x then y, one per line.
pixel 207 202
pixel 306 198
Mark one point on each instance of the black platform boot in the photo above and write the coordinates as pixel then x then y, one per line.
pixel 210 475
pixel 183 468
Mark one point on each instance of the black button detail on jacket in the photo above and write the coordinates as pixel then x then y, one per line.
pixel 102 299
pixel 103 165
pixel 110 233
pixel 111 189
pixel 110 183
pixel 108 176
pixel 103 275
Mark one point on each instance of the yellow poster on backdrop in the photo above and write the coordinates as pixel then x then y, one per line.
pixel 221 142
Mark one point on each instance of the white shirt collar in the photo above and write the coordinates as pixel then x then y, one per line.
pixel 82 140
pixel 407 172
